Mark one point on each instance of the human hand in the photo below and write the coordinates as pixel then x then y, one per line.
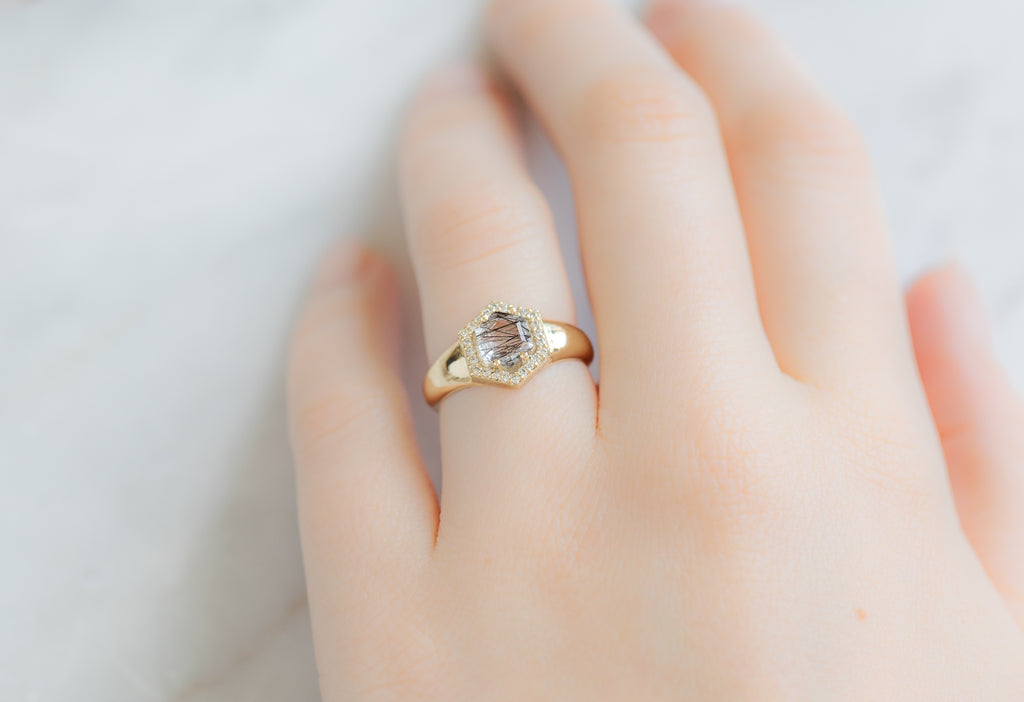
pixel 758 503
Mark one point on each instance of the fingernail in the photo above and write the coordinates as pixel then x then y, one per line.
pixel 455 78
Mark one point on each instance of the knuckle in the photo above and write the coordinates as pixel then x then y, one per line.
pixel 876 447
pixel 399 660
pixel 803 135
pixel 739 462
pixel 727 460
pixel 884 461
pixel 472 227
pixel 564 549
pixel 645 105
pixel 560 531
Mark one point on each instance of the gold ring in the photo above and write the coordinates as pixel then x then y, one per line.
pixel 504 345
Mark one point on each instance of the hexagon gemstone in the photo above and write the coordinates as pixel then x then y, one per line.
pixel 502 338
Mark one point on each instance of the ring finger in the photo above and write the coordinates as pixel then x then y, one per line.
pixel 479 230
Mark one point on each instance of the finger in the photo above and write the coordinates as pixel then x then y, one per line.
pixel 980 420
pixel 478 227
pixel 367 510
pixel 479 230
pixel 660 231
pixel 829 296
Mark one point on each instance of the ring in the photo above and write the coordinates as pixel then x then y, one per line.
pixel 504 345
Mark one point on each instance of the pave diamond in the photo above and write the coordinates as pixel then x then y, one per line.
pixel 503 338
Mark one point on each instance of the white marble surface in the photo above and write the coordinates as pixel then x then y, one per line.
pixel 169 171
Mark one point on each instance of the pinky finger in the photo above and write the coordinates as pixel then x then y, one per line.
pixel 367 510
pixel 980 420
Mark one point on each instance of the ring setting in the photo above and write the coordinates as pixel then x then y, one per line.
pixel 503 345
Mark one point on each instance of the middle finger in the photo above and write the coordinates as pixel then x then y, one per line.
pixel 661 234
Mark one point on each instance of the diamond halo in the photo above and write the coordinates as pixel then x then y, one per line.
pixel 504 344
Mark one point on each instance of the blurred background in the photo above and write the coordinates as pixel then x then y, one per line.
pixel 169 173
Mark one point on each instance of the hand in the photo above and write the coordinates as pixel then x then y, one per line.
pixel 757 504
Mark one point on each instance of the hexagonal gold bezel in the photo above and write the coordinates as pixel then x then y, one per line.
pixel 533 359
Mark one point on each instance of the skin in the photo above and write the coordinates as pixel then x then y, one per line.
pixel 793 484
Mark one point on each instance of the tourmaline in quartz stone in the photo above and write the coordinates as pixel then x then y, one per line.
pixel 502 338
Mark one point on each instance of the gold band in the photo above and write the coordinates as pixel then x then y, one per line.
pixel 460 366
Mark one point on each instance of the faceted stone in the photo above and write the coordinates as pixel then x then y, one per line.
pixel 502 337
